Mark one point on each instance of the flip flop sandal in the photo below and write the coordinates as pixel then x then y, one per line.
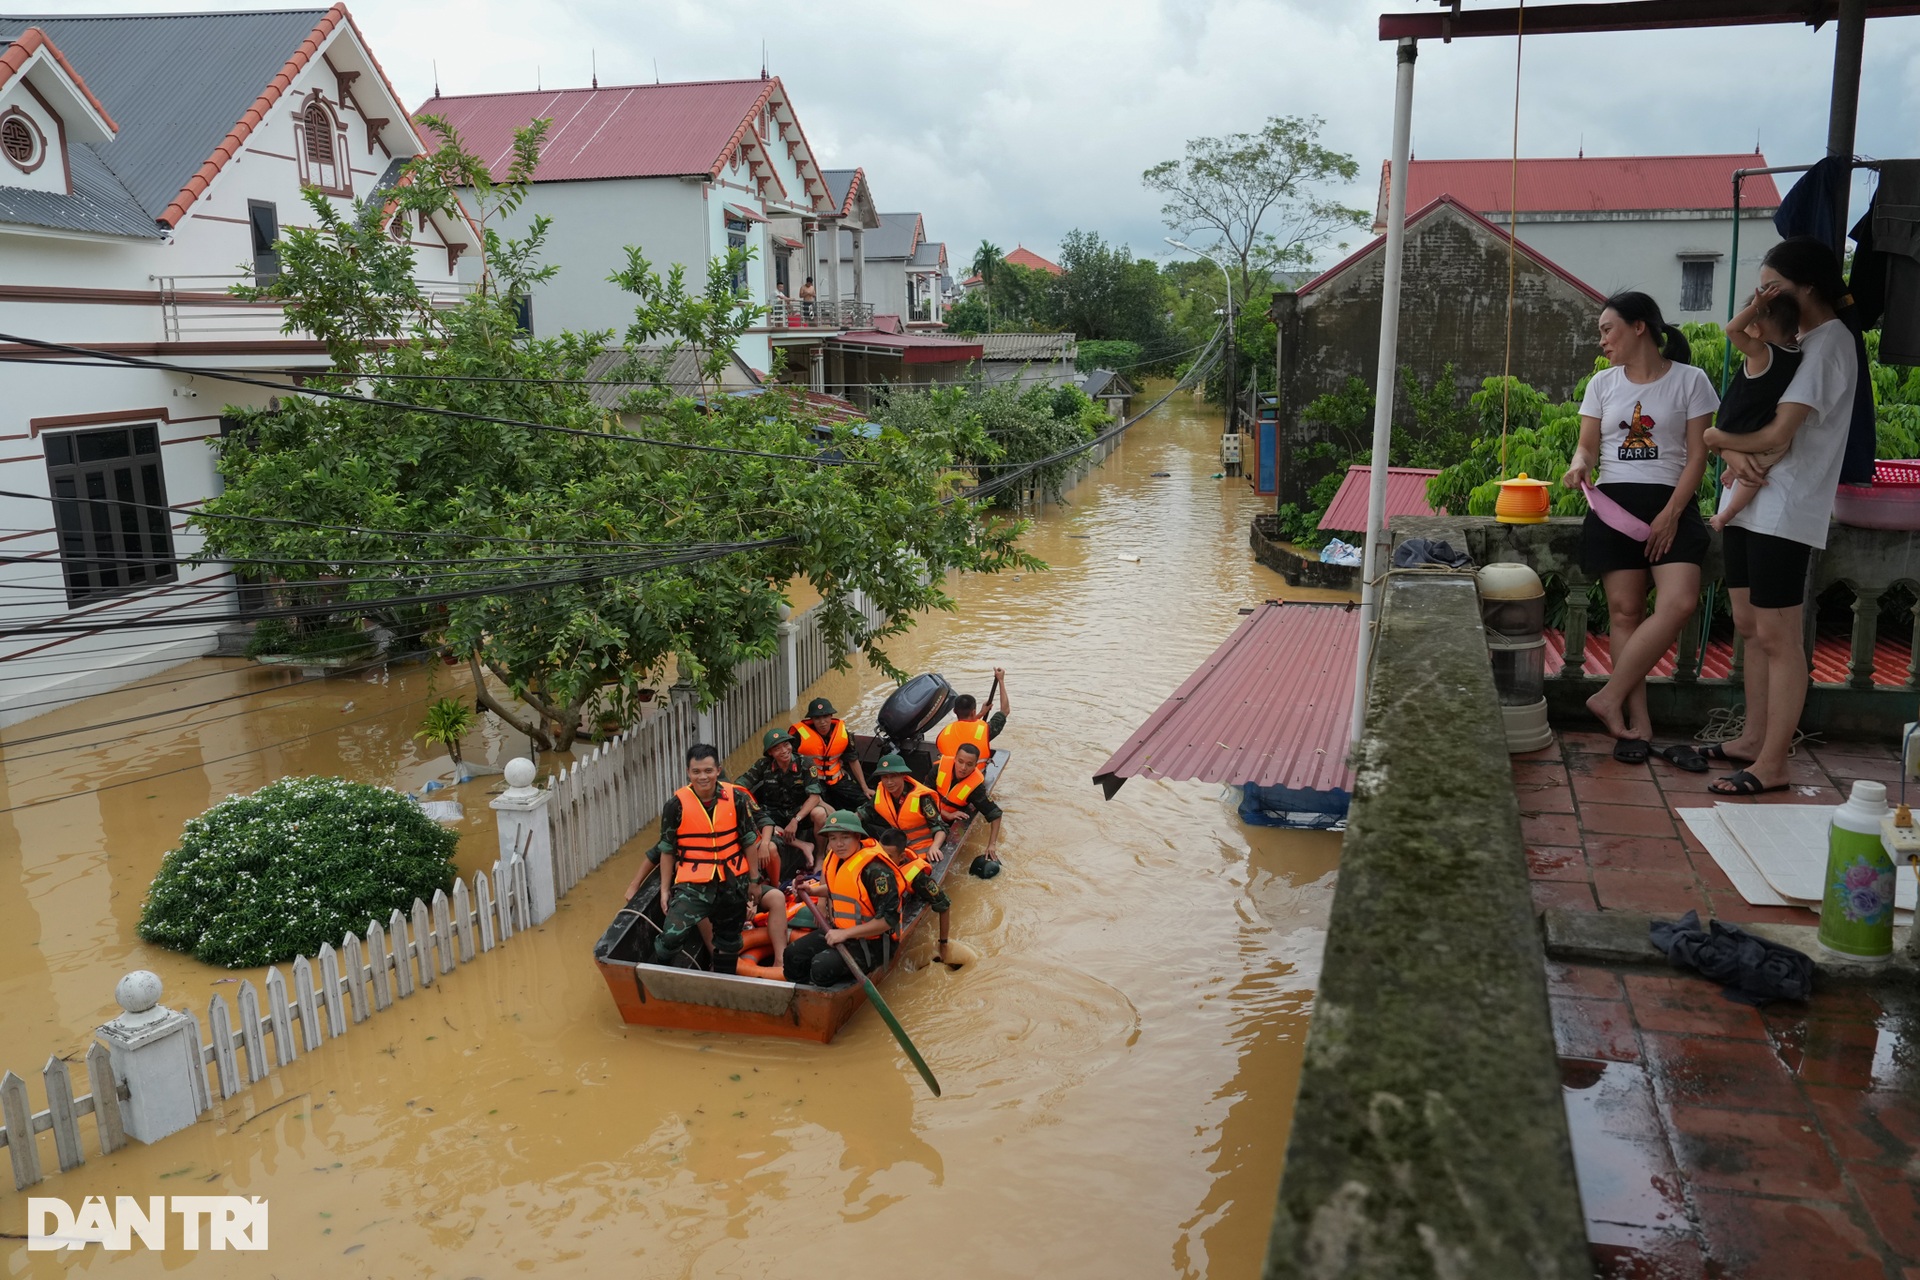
pixel 1632 750
pixel 1743 783
pixel 1682 756
pixel 1715 752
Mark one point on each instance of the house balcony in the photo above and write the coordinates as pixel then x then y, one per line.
pixel 822 313
pixel 199 308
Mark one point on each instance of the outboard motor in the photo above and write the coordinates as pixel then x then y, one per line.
pixel 914 708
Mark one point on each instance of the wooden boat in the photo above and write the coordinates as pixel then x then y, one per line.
pixel 697 999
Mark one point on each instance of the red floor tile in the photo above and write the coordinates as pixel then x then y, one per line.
pixel 1660 893
pixel 1598 1029
pixel 1550 828
pixel 1690 1006
pixel 1591 790
pixel 1606 767
pixel 1583 742
pixel 1532 772
pixel 1626 820
pixel 1728 905
pixel 1822 1052
pixel 1541 798
pixel 1851 767
pixel 1708 872
pixel 1754 1151
pixel 1562 895
pixel 1796 794
pixel 1584 981
pixel 1752 1238
pixel 1687 787
pixel 1549 862
pixel 1545 754
pixel 1702 1071
pixel 1640 1253
pixel 1651 852
pixel 1893 1202
pixel 1881 1127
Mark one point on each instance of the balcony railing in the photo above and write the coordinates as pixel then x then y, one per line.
pixel 197 307
pixel 822 313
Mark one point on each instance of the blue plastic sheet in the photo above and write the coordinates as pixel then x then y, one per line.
pixel 1292 807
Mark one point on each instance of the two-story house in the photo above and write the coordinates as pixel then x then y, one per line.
pixel 684 172
pixel 1661 224
pixel 902 272
pixel 146 164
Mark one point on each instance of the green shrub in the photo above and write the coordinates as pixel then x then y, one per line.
pixel 1105 353
pixel 263 878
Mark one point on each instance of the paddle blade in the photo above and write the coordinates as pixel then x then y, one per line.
pixel 900 1034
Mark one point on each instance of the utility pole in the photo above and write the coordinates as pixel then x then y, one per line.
pixel 1850 34
pixel 1232 367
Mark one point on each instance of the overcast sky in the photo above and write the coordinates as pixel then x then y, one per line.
pixel 1017 121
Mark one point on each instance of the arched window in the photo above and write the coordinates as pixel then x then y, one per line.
pixel 319 129
pixel 321 148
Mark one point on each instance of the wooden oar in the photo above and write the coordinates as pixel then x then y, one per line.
pixel 821 921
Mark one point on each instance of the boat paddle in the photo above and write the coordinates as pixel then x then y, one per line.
pixel 820 919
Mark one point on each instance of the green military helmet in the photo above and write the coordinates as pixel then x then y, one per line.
pixel 773 738
pixel 890 763
pixel 820 707
pixel 845 820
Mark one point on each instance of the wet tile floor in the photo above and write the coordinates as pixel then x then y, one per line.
pixel 1715 1140
pixel 1602 834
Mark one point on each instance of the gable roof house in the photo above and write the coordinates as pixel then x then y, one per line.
pixel 146 164
pixel 1453 308
pixel 1021 257
pixel 1659 224
pixel 900 270
pixel 682 172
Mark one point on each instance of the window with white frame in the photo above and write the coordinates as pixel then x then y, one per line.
pixel 321 148
pixel 110 510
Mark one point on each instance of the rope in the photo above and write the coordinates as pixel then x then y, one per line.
pixel 1513 221
pixel 1724 724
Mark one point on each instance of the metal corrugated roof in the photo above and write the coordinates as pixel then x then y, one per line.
pixel 1588 184
pixel 1272 706
pixel 634 131
pixel 839 185
pixel 1028 346
pixel 896 237
pixel 681 373
pixel 913 348
pixel 99 203
pixel 1406 496
pixel 928 254
pixel 175 83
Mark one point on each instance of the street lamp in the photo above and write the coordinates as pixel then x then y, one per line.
pixel 1233 387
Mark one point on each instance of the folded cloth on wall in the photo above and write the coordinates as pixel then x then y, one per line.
pixel 1752 970
pixel 1416 552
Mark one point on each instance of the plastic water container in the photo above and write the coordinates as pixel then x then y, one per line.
pixel 1892 501
pixel 1856 913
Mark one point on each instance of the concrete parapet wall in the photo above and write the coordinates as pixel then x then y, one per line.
pixel 1429 1138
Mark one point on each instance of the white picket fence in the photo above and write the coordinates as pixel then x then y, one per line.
pixel 331 992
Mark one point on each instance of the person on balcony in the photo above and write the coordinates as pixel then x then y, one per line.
pixel 1643 423
pixel 1770 544
pixel 808 294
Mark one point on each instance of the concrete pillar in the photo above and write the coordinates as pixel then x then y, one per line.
pixel 789 660
pixel 155 1054
pixel 702 716
pixel 832 232
pixel 526 833
pixel 859 263
pixel 817 368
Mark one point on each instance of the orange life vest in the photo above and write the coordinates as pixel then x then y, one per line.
pixel 848 901
pixel 974 731
pixel 710 844
pixel 826 752
pixel 906 814
pixel 953 796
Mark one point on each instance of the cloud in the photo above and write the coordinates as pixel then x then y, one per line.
pixel 1015 121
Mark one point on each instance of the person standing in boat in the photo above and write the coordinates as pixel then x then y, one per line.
pixel 905 802
pixel 960 789
pixel 967 725
pixel 859 888
pixel 705 870
pixel 823 738
pixel 787 789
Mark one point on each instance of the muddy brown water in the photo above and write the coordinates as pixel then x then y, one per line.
pixel 1119 1057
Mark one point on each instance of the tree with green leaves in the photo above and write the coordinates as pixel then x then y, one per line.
pixel 572 563
pixel 1258 197
pixel 987 261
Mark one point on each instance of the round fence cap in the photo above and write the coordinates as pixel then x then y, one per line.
pixel 139 991
pixel 520 772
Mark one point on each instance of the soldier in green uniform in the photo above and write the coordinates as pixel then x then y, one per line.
pixel 706 866
pixel 788 790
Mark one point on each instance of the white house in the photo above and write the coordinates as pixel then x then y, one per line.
pixel 1660 224
pixel 903 273
pixel 147 163
pixel 681 171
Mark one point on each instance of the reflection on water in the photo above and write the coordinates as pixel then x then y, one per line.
pixel 1119 1055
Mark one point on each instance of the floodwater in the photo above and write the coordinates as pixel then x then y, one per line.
pixel 1119 1057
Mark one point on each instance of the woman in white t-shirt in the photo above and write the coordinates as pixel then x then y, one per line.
pixel 1642 422
pixel 1769 545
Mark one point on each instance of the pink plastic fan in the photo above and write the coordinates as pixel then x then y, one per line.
pixel 1615 516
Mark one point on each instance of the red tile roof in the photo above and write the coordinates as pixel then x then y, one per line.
pixel 1406 496
pixel 1832 656
pixel 1448 202
pixel 1587 184
pixel 631 131
pixel 1272 706
pixel 1025 257
pixel 25 45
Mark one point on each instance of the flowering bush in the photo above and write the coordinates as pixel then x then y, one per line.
pixel 263 878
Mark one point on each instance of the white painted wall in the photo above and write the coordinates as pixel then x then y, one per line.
pixel 1643 252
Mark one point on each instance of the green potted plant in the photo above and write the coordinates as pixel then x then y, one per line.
pixel 447 721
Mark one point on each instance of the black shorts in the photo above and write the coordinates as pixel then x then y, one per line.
pixel 844 794
pixel 1604 549
pixel 1772 569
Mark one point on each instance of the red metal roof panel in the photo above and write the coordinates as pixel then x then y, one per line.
pixel 1406 496
pixel 1583 184
pixel 1272 706
pixel 914 348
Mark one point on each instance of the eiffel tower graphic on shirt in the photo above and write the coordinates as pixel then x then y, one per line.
pixel 1639 444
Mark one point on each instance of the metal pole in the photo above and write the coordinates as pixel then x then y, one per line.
pixel 1233 369
pixel 1850 34
pixel 1384 377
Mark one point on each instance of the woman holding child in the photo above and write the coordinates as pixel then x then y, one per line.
pixel 1643 423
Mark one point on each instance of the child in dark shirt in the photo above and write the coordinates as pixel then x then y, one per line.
pixel 1765 332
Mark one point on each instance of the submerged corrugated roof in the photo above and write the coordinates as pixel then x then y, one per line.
pixel 1272 706
pixel 1406 496
pixel 174 83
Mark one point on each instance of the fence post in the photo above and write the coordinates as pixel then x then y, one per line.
pixel 155 1052
pixel 526 832
pixel 789 662
pixel 702 716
